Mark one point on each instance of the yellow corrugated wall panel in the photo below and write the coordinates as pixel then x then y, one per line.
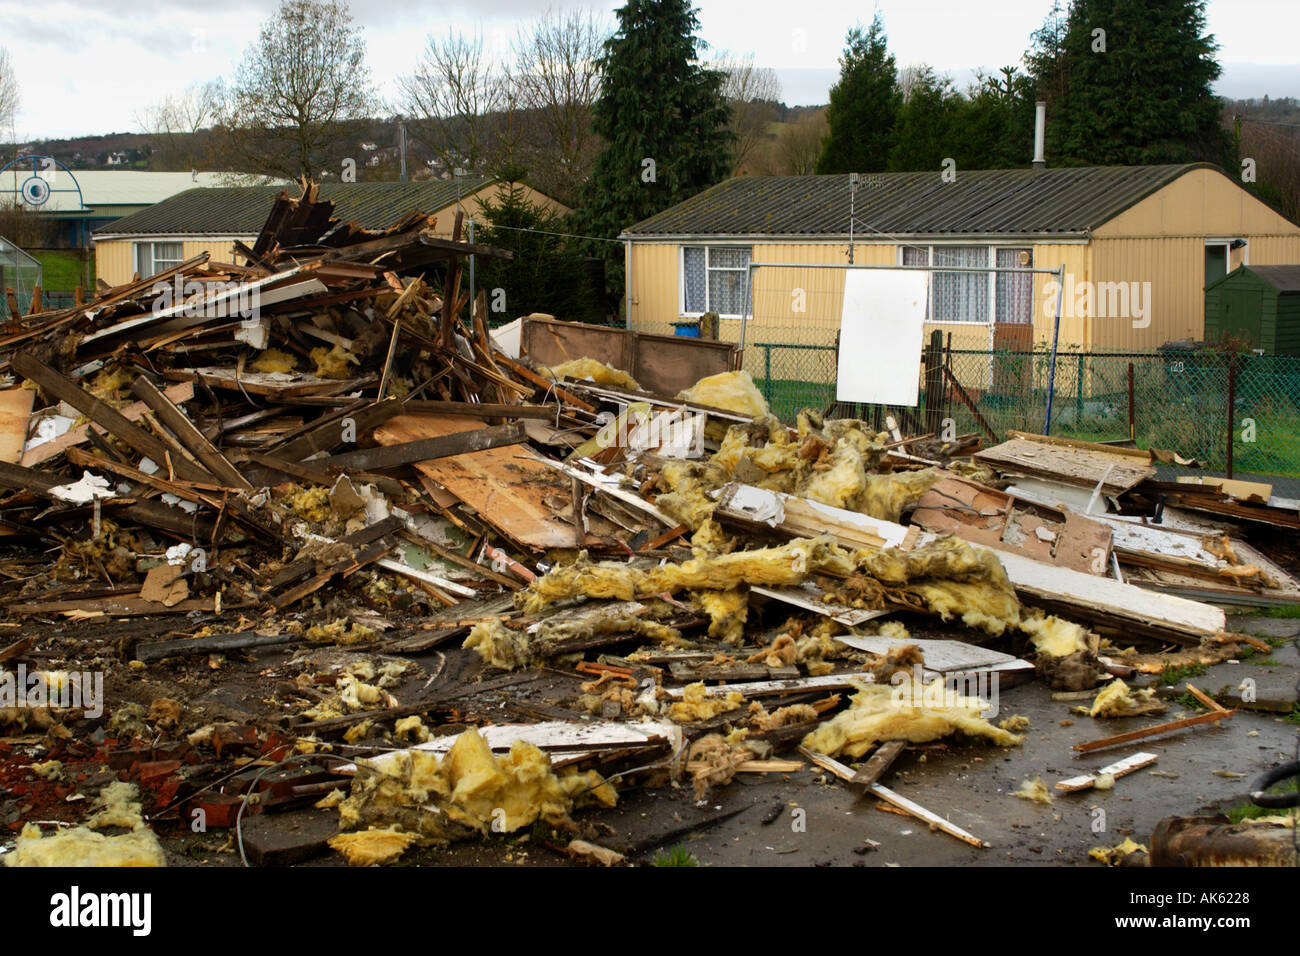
pixel 1203 202
pixel 114 262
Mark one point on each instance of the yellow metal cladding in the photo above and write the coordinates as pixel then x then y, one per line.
pixel 115 258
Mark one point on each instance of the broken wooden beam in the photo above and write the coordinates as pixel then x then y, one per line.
pixel 188 434
pixel 102 414
pixel 215 643
pixel 424 449
pixel 1168 727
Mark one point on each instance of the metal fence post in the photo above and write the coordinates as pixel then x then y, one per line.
pixel 1056 335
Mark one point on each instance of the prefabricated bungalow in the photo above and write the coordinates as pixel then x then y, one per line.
pixel 1139 245
pixel 212 220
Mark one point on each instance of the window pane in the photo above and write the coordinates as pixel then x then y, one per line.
pixel 167 254
pixel 916 256
pixel 961 296
pixel 144 259
pixel 728 257
pixel 693 278
pixel 1015 294
pixel 727 291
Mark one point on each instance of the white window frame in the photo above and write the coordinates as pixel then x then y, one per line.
pixel 153 245
pixel 681 278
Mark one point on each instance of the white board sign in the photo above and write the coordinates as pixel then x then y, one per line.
pixel 881 331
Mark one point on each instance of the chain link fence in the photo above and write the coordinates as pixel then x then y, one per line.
pixel 1174 399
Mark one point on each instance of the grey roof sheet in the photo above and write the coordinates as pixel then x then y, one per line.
pixel 1069 200
pixel 1283 278
pixel 241 210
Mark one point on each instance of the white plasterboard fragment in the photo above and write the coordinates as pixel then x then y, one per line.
pixel 189 507
pixel 87 488
pixel 508 338
pixel 47 428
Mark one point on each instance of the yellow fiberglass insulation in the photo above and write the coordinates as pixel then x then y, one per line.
pixel 915 713
pixel 686 500
pixel 841 484
pixel 1034 790
pixel 335 362
pixel 713 762
pixel 727 611
pixel 83 846
pixel 951 579
pixel 732 391
pixel 499 646
pixel 469 790
pixel 1114 856
pixel 615 619
pixel 788 564
pixel 761 720
pixel 598 372
pixel 887 496
pixel 509 649
pixel 1116 699
pixel 273 360
pixel 696 705
pixel 373 847
pixel 1053 636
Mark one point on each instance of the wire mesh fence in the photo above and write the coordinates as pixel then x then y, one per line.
pixel 1168 399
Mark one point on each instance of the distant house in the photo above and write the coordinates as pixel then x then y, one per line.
pixel 1139 245
pixel 212 220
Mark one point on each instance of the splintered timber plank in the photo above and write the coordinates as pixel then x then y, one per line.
pixel 425 449
pixel 1117 470
pixel 1121 768
pixel 189 435
pixel 335 429
pixel 101 414
pixel 505 485
pixel 187 646
pixel 155 514
pixel 879 763
pixel 182 392
pixel 1211 717
pixel 898 800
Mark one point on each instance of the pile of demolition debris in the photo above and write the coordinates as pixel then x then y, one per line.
pixel 304 533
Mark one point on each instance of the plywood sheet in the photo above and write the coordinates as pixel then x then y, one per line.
pixel 506 486
pixel 15 410
pixel 1073 465
pixel 987 516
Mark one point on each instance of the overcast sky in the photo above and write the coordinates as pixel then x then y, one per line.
pixel 93 67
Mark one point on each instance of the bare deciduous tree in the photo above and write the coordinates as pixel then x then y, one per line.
pixel 180 124
pixel 751 92
pixel 451 99
pixel 557 81
pixel 296 90
pixel 799 144
pixel 9 97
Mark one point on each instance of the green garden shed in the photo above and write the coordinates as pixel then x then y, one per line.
pixel 1258 306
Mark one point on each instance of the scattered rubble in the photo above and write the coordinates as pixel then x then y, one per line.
pixel 341 550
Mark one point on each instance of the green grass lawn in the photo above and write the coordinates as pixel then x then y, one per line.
pixel 62 270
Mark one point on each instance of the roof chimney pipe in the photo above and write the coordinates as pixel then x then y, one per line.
pixel 1040 127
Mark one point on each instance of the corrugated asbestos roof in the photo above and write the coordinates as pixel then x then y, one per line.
pixel 1070 200
pixel 1282 278
pixel 241 210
